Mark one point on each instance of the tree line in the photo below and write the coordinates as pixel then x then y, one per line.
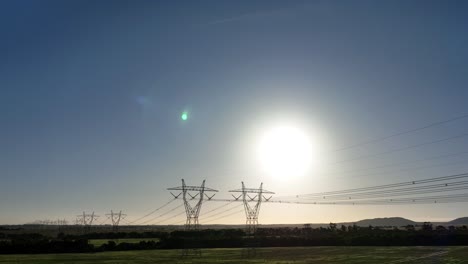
pixel 333 235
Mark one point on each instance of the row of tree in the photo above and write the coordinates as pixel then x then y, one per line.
pixel 264 237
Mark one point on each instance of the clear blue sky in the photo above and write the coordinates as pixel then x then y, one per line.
pixel 92 91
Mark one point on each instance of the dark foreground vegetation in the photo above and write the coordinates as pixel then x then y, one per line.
pixel 427 235
pixel 283 255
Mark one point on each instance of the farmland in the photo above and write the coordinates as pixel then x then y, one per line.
pixel 100 242
pixel 326 255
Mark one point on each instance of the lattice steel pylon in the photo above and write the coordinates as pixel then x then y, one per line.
pixel 115 219
pixel 190 193
pixel 86 220
pixel 252 205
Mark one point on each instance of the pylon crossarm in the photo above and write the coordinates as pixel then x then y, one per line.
pixel 209 197
pixel 175 196
pixel 192 189
pixel 252 198
pixel 193 196
pixel 251 190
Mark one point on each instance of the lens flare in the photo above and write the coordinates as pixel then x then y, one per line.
pixel 184 116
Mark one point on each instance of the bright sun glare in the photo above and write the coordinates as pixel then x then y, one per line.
pixel 285 152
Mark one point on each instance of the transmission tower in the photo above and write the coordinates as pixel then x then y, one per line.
pixel 252 205
pixel 189 193
pixel 252 209
pixel 115 219
pixel 86 220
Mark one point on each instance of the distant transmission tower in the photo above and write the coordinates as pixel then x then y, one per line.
pixel 252 209
pixel 252 205
pixel 115 219
pixel 86 220
pixel 189 193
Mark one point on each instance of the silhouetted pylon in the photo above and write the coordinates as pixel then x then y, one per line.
pixel 251 205
pixel 86 220
pixel 115 219
pixel 189 193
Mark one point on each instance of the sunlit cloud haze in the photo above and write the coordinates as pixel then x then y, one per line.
pixel 93 92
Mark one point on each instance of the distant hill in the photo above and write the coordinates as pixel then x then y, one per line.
pixel 459 221
pixel 387 221
pixel 376 222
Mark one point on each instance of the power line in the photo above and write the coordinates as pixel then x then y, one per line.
pixel 402 133
pixel 390 194
pixel 401 149
pixel 174 216
pixel 424 198
pixel 415 200
pixel 407 169
pixel 217 208
pixel 224 216
pixel 161 215
pixel 222 212
pixel 401 163
pixel 406 189
pixel 393 172
pixel 387 186
pixel 152 212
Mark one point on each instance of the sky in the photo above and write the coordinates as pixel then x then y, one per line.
pixel 92 93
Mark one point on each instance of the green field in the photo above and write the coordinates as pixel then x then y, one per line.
pixel 345 255
pixel 99 242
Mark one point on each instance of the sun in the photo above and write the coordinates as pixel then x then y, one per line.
pixel 284 152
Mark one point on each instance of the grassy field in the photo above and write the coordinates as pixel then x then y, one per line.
pixel 98 242
pixel 326 255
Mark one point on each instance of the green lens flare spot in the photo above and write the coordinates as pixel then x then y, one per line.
pixel 184 116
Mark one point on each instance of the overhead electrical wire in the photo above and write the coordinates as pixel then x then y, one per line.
pixel 183 212
pixel 424 198
pixel 400 163
pixel 387 186
pixel 405 169
pixel 224 216
pixel 152 212
pixel 179 222
pixel 400 149
pixel 161 215
pixel 222 212
pixel 402 133
pixel 387 195
pixel 125 221
pixel 168 218
pixel 384 194
pixel 102 221
pixel 217 208
pixel 406 189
